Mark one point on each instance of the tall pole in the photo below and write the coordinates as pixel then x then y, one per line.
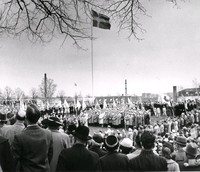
pixel 125 87
pixel 45 89
pixel 126 99
pixel 92 61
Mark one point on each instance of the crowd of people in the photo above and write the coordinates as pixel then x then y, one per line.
pixel 31 140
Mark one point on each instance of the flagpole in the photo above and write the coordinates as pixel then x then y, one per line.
pixel 92 61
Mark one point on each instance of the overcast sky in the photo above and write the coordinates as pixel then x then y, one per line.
pixel 168 56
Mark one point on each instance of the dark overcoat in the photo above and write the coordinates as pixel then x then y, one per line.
pixel 33 149
pixel 114 161
pixel 78 158
pixel 148 161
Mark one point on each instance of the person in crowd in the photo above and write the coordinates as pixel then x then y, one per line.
pixel 9 131
pixel 192 164
pixel 167 150
pixel 78 157
pixel 70 130
pixel 130 134
pixel 126 146
pixel 180 155
pixel 113 160
pixel 3 121
pixel 96 144
pixel 7 163
pixel 32 148
pixel 147 160
pixel 135 133
pixel 60 140
pixel 138 147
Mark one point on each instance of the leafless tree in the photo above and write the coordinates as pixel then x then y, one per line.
pixel 50 88
pixel 19 93
pixel 61 95
pixel 8 93
pixel 44 19
pixel 34 93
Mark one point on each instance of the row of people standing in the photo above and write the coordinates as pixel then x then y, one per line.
pixel 115 117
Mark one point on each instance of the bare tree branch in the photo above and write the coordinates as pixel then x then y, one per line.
pixel 41 20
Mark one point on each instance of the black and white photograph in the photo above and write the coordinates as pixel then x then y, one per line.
pixel 109 85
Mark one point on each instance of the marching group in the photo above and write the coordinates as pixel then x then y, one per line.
pixel 52 143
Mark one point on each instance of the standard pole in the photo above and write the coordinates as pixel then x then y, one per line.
pixel 92 60
pixel 45 89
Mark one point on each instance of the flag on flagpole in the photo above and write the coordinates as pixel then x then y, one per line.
pixel 97 106
pixel 104 104
pixel 100 20
pixel 78 105
pixel 83 104
pixel 65 104
pixel 22 105
pixel 163 98
pixel 129 102
pixel 114 103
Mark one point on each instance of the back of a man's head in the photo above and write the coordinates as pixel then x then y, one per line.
pixel 148 140
pixel 32 114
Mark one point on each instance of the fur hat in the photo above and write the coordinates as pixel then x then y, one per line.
pixel 126 142
pixel 21 114
pixel 111 143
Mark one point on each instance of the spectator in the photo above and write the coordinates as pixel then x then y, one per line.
pixel 113 160
pixel 138 148
pixel 3 121
pixel 60 140
pixel 147 160
pixel 9 131
pixel 126 146
pixel 192 163
pixel 167 150
pixel 6 159
pixel 97 141
pixel 179 155
pixel 70 130
pixel 32 148
pixel 78 158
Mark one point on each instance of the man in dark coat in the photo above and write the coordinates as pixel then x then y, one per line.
pixel 78 157
pixel 97 141
pixel 113 160
pixel 147 160
pixel 33 148
pixel 6 160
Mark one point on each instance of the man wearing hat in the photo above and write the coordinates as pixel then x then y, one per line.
pixel 60 140
pixel 179 155
pixel 113 160
pixel 126 146
pixel 32 148
pixel 192 163
pixel 78 157
pixel 147 160
pixel 97 141
pixel 9 131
